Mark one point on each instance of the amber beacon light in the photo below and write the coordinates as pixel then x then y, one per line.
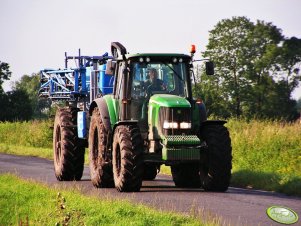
pixel 192 49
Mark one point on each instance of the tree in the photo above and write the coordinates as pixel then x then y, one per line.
pixel 20 103
pixel 279 65
pixel 299 105
pixel 224 48
pixel 4 101
pixel 248 56
pixel 17 106
pixel 30 85
pixel 4 74
pixel 262 44
pixel 289 63
pixel 209 90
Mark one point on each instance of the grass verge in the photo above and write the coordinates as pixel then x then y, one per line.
pixel 25 150
pixel 29 203
pixel 32 151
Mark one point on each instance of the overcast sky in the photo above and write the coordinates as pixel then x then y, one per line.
pixel 35 33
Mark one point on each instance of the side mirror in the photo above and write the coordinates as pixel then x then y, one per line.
pixel 209 68
pixel 110 67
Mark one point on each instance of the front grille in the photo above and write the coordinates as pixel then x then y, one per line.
pixel 181 154
pixel 174 115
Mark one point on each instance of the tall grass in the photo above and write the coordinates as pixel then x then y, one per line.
pixel 266 146
pixel 267 155
pixel 29 134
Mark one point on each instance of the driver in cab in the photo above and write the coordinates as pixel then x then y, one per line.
pixel 153 83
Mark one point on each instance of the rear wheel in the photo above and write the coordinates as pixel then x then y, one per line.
pixel 216 171
pixel 67 147
pixel 186 175
pixel 127 158
pixel 100 161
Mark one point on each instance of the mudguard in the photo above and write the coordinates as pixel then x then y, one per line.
pixel 104 112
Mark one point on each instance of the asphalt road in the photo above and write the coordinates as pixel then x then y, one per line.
pixel 235 207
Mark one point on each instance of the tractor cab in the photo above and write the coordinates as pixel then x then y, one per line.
pixel 148 77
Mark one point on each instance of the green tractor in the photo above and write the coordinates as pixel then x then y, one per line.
pixel 151 119
pixel 135 112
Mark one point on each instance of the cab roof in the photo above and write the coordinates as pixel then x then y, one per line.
pixel 157 54
pixel 162 56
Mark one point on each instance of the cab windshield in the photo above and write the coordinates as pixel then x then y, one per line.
pixel 155 78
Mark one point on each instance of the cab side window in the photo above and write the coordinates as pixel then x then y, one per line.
pixel 120 79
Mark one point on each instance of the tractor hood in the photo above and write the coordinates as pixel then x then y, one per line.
pixel 167 100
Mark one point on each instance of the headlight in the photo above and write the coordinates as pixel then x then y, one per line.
pixel 170 125
pixel 185 125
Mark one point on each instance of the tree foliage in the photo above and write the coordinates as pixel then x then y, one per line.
pixel 256 70
pixel 17 106
pixel 4 74
pixel 30 85
pixel 299 105
pixel 22 102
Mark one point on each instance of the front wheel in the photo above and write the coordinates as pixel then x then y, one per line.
pixel 215 172
pixel 127 158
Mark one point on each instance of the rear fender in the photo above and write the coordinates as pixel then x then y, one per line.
pixel 104 112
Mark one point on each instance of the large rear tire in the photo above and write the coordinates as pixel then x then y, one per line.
pixel 215 173
pixel 67 147
pixel 186 175
pixel 127 158
pixel 100 161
